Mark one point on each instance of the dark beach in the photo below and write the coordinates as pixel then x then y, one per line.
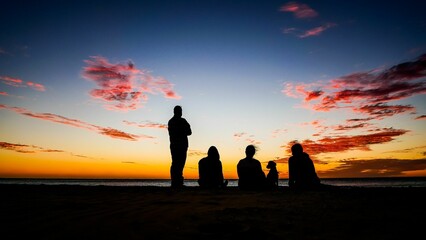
pixel 101 212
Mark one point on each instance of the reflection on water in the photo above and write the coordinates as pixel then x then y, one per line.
pixel 350 182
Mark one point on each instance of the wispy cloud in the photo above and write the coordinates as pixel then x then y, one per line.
pixel 367 92
pixel 299 10
pixel 17 82
pixel 346 143
pixel 110 132
pixel 123 86
pixel 421 117
pixel 23 148
pixel 250 139
pixel 316 31
pixel 375 168
pixel 146 124
pixel 381 110
pixel 196 153
pixel 303 11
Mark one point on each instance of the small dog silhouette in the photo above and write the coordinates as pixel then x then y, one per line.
pixel 272 176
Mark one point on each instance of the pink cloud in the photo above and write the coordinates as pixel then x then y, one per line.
pixel 4 93
pixel 316 31
pixel 16 82
pixel 123 86
pixel 36 86
pixel 299 10
pixel 114 133
pixel 146 124
pixel 421 117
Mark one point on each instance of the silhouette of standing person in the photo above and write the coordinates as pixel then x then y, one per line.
pixel 301 170
pixel 249 170
pixel 272 176
pixel 179 130
pixel 210 170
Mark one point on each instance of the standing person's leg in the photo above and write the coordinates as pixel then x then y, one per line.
pixel 178 164
pixel 174 169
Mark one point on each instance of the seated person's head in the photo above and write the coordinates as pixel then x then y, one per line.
pixel 250 151
pixel 213 152
pixel 296 149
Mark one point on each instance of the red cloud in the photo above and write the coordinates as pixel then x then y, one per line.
pixel 146 124
pixel 114 133
pixel 22 148
pixel 313 95
pixel 375 168
pixel 16 82
pixel 346 143
pixel 4 93
pixel 316 31
pixel 382 110
pixel 123 86
pixel 350 127
pixel 299 10
pixel 358 120
pixel 368 92
pixel 421 117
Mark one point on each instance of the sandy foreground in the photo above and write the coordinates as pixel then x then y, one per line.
pixel 80 212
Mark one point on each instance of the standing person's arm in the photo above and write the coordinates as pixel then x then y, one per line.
pixel 188 128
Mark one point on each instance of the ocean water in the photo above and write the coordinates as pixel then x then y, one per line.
pixel 344 182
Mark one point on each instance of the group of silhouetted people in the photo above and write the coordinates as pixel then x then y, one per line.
pixel 302 174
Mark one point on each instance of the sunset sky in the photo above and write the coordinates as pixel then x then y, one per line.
pixel 87 87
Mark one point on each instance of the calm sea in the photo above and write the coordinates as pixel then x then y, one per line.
pixel 349 182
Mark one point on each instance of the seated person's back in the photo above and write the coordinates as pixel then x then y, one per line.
pixel 301 169
pixel 210 170
pixel 250 173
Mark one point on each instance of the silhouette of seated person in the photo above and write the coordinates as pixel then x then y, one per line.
pixel 301 170
pixel 272 176
pixel 250 173
pixel 210 170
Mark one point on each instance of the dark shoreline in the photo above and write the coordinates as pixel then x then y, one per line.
pixel 108 212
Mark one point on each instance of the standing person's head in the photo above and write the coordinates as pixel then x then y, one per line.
pixel 250 151
pixel 177 111
pixel 213 153
pixel 296 149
